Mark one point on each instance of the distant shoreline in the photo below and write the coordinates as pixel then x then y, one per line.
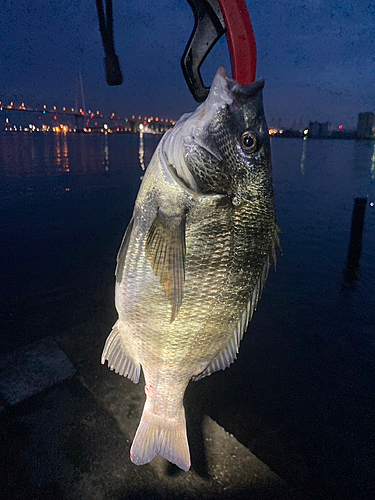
pixel 352 137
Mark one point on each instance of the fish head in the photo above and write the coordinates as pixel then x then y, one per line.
pixel 223 147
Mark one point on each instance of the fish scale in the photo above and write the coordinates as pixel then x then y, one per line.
pixel 194 260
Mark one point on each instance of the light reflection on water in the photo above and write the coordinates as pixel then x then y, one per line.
pixel 303 158
pixel 42 163
pixel 26 154
pixel 141 151
pixel 61 153
pixel 106 153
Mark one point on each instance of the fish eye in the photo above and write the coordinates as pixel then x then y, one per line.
pixel 249 142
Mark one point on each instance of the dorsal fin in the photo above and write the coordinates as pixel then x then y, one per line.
pixel 226 356
pixel 121 256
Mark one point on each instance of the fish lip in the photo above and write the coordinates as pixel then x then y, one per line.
pixel 249 90
pixel 237 94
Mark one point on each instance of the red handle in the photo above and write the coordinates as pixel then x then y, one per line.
pixel 240 40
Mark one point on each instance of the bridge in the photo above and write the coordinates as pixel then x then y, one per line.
pixel 77 120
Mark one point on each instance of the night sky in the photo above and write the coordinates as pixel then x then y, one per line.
pixel 317 57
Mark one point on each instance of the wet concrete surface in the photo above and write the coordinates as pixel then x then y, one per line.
pixel 71 439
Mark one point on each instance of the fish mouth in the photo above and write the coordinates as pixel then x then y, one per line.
pixel 224 92
pixel 237 94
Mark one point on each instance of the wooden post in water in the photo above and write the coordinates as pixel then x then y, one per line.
pixel 355 245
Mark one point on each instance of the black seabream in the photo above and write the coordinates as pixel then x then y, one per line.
pixel 194 259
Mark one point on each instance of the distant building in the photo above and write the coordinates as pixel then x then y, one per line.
pixel 133 126
pixel 319 130
pixel 365 125
pixel 325 129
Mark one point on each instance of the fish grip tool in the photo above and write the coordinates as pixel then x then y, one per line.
pixel 213 18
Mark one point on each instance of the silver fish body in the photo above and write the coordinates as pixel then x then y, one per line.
pixel 194 259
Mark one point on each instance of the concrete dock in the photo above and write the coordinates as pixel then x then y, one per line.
pixel 66 426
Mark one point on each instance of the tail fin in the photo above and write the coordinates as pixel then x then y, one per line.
pixel 158 436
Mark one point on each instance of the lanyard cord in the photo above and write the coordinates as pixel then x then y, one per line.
pixel 113 74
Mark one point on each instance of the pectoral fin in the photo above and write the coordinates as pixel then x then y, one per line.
pixel 165 249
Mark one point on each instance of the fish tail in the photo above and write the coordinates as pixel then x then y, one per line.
pixel 161 436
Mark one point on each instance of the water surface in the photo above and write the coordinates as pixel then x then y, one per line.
pixel 304 383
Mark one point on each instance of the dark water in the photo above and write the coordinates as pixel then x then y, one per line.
pixel 301 394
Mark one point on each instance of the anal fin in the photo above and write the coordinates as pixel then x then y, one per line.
pixel 222 360
pixel 118 361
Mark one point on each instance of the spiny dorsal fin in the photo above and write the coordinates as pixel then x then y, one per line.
pixel 122 252
pixel 166 250
pixel 226 356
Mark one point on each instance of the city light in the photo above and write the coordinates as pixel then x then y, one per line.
pixel 69 120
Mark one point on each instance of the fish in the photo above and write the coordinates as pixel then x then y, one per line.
pixel 194 259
